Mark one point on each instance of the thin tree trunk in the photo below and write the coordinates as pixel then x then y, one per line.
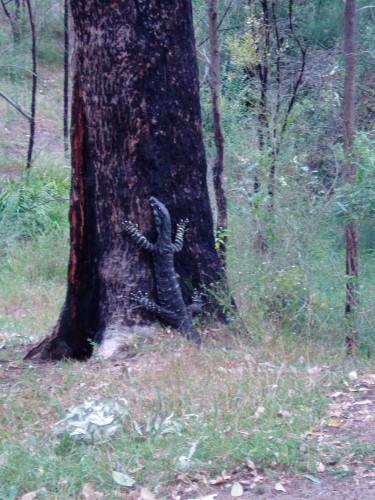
pixel 136 133
pixel 66 76
pixel 33 89
pixel 13 19
pixel 264 135
pixel 218 169
pixel 350 174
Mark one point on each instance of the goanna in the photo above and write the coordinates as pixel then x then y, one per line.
pixel 171 307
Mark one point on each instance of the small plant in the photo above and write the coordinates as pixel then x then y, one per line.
pixel 32 205
pixel 157 426
pixel 93 420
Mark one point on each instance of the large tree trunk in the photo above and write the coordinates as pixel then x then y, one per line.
pixel 350 174
pixel 136 133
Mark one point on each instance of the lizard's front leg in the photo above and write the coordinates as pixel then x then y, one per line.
pixel 179 238
pixel 141 241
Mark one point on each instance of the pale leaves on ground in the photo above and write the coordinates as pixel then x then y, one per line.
pixel 123 479
pixel 88 492
pixel 280 487
pixel 236 490
pixel 32 494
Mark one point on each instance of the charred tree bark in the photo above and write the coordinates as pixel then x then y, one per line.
pixel 218 169
pixel 350 174
pixel 136 133
pixel 33 88
pixel 66 77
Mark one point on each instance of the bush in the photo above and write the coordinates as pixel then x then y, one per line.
pixel 34 204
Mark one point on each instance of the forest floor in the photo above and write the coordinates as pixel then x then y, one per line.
pixel 344 440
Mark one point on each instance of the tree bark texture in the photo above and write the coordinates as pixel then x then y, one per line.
pixel 136 133
pixel 218 169
pixel 350 173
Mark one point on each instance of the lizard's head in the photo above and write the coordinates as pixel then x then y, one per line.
pixel 161 215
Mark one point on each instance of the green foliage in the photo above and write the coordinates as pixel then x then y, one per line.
pixel 156 425
pixel 93 420
pixel 34 204
pixel 243 50
pixel 356 201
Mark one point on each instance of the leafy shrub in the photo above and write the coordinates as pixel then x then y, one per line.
pixel 93 420
pixel 357 200
pixel 32 205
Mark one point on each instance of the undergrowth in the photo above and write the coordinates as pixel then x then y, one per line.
pixel 224 410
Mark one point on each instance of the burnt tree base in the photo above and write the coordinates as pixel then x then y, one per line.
pixel 135 134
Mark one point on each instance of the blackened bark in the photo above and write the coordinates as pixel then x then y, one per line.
pixel 218 169
pixel 136 133
pixel 350 174
pixel 33 88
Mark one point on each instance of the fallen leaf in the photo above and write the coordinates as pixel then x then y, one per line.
pixel 320 467
pixel 334 422
pixel 364 402
pixel 219 480
pixel 122 479
pixel 312 478
pixel 313 371
pixel 236 490
pixel 206 497
pixel 336 394
pixel 250 465
pixel 160 453
pixel 260 410
pixel 31 495
pixel 147 495
pixel 244 433
pixel 369 376
pixel 280 487
pixel 88 492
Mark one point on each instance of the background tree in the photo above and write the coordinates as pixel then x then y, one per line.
pixel 34 85
pixel 66 77
pixel 136 132
pixel 350 172
pixel 273 58
pixel 11 9
pixel 218 168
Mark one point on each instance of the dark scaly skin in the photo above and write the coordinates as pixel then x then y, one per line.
pixel 171 307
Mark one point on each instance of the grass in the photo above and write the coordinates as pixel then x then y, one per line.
pixel 229 408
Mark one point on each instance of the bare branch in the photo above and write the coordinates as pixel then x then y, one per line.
pixel 218 24
pixel 16 106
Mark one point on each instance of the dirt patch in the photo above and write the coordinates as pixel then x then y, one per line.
pixel 346 444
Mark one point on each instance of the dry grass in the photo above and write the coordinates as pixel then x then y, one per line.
pixel 231 407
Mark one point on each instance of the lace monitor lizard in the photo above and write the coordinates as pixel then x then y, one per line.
pixel 171 306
